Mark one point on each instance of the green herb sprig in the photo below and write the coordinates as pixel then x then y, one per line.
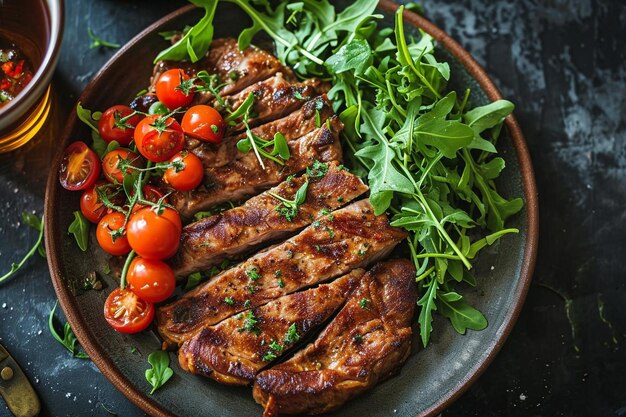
pixel 97 42
pixel 68 340
pixel 289 208
pixel 34 222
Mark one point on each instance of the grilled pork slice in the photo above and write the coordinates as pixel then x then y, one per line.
pixel 235 350
pixel 274 98
pixel 243 177
pixel 237 69
pixel 350 238
pixel 236 231
pixel 365 343
pixel 292 127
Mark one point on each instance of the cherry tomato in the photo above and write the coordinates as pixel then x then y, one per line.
pixel 150 193
pixel 112 128
pixel 110 164
pixel 80 167
pixel 90 204
pixel 151 280
pixel 126 312
pixel 154 236
pixel 159 138
pixel 111 222
pixel 189 177
pixel 169 90
pixel 204 123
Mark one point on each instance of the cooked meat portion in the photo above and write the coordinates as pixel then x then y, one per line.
pixel 274 98
pixel 350 238
pixel 235 350
pixel 236 231
pixel 244 177
pixel 365 343
pixel 237 69
pixel 292 127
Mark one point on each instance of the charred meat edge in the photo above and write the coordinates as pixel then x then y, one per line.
pixel 352 238
pixel 233 354
pixel 367 342
pixel 237 231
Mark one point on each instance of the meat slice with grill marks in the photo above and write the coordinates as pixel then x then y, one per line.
pixel 350 238
pixel 365 343
pixel 292 127
pixel 235 350
pixel 274 98
pixel 239 230
pixel 243 176
pixel 237 69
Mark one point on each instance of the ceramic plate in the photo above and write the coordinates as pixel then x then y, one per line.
pixel 430 379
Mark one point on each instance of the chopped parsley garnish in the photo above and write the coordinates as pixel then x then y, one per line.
pixel 292 335
pixel 317 169
pixel 317 247
pixel 250 288
pixel 289 208
pixel 363 303
pixel 340 199
pixel 250 324
pixel 324 212
pixel 278 273
pixel 330 232
pixel 281 283
pixel 298 95
pixel 276 349
pixel 316 224
pixel 358 338
pixel 253 274
pixel 229 301
pixel 247 304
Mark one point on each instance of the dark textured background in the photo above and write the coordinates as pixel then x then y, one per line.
pixel 561 62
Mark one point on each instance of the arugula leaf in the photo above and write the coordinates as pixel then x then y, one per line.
pixel 356 55
pixel 80 229
pixel 461 315
pixel 427 302
pixel 160 372
pixel 97 42
pixel 195 43
pixel 69 339
pixel 485 117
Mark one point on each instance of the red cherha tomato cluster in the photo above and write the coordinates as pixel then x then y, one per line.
pixel 143 226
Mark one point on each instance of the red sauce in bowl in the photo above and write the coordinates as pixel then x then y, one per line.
pixel 15 72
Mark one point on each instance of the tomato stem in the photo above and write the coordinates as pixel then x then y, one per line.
pixel 129 259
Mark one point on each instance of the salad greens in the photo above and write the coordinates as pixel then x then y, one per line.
pixel 428 156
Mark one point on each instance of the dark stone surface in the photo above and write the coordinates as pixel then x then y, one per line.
pixel 562 63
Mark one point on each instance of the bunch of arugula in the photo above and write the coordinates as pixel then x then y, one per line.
pixel 429 159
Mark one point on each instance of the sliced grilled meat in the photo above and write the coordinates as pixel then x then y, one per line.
pixel 350 238
pixel 235 350
pixel 365 343
pixel 243 176
pixel 292 127
pixel 238 69
pixel 239 230
pixel 275 97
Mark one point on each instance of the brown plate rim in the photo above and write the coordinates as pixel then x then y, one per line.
pixel 150 406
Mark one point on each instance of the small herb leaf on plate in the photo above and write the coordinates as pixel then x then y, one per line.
pixel 80 229
pixel 160 372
